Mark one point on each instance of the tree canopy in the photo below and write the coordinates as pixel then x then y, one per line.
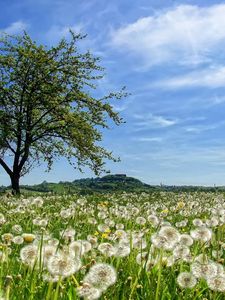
pixel 46 106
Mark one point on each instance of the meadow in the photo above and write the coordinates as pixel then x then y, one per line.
pixel 125 246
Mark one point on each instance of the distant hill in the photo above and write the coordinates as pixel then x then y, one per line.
pixel 108 183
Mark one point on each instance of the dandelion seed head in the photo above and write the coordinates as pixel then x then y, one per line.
pixel 29 254
pixel 101 276
pixel 217 283
pixel 63 265
pixel 186 280
pixel 88 292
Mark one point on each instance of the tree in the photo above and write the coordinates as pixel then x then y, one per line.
pixel 46 107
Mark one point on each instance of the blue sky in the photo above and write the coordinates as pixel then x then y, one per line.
pixel 171 57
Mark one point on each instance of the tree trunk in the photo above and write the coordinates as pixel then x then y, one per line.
pixel 15 178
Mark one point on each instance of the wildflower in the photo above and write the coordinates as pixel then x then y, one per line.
pixel 119 233
pixel 88 292
pixel 119 226
pixel 92 221
pixel 38 201
pixel 17 229
pixel 63 265
pixel 170 233
pixel 68 234
pixel 153 220
pixel 18 240
pixel 102 215
pixel 101 276
pixel 217 283
pixel 164 212
pixel 202 258
pixel 180 205
pixel 28 237
pixel 205 270
pixel 3 256
pixel 122 250
pixel 161 242
pixel 169 260
pixel 107 249
pixel 50 278
pixel 43 222
pixel 87 245
pixel 53 242
pixel 186 280
pixel 213 222
pixel 139 242
pixel 140 220
pixel 29 254
pixel 76 249
pixel 93 240
pixel 142 257
pixel 217 253
pixel 181 224
pixel 181 252
pixel 201 234
pixel 105 235
pixel 65 213
pixel 7 237
pixel 185 240
pixel 47 252
pixel 197 222
pixel 2 219
pixel 135 211
pixel 103 228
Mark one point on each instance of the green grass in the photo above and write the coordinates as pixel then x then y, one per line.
pixel 134 281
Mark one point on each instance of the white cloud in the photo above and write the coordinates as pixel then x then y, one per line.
pixel 184 34
pixel 15 27
pixel 162 122
pixel 148 139
pixel 204 127
pixel 153 121
pixel 212 77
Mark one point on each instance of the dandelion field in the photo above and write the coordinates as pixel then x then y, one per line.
pixel 127 246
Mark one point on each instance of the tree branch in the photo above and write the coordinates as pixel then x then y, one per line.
pixel 4 165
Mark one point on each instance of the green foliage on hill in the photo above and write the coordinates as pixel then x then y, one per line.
pixel 108 183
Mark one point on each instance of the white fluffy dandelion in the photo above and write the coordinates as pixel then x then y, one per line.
pixel 18 240
pixel 186 280
pixel 171 235
pixel 201 234
pixel 122 250
pixel 205 271
pixel 101 276
pixel 185 240
pixel 217 283
pixel 63 265
pixel 181 252
pixel 140 220
pixel 154 220
pixel 29 254
pixel 47 252
pixel 76 249
pixel 88 292
pixel 107 249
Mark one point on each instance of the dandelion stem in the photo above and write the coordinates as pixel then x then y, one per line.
pixel 57 289
pixel 50 285
pixel 75 281
pixel 159 277
pixel 7 292
pixel 135 284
